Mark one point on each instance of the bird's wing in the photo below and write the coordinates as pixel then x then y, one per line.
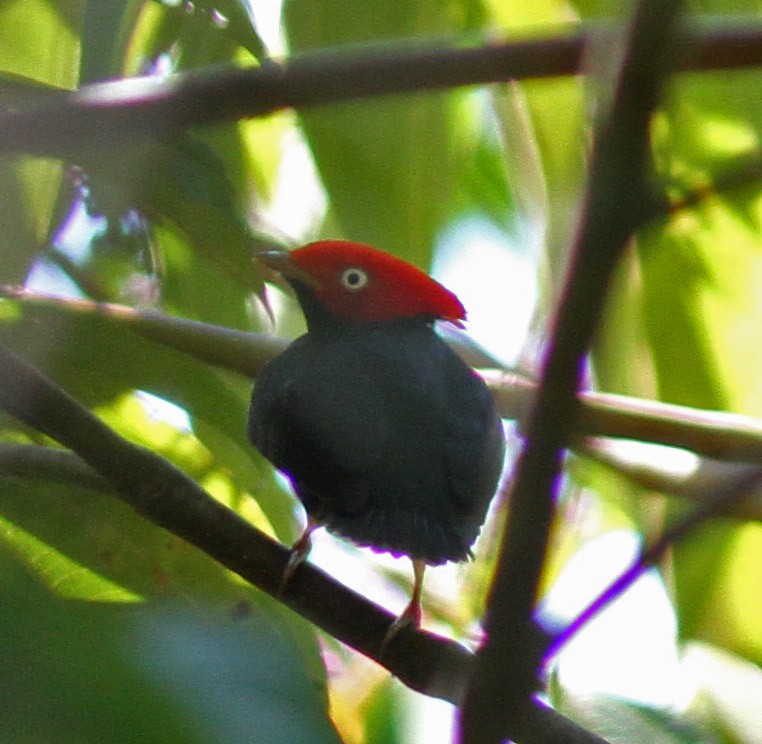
pixel 322 421
pixel 476 443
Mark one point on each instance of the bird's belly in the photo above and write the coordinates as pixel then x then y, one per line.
pixel 401 533
pixel 399 523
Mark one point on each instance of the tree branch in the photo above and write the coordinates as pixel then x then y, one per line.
pixel 715 434
pixel 163 494
pixel 662 479
pixel 119 113
pixel 727 486
pixel 712 434
pixel 617 189
pixel 37 462
pixel 137 109
pixel 240 351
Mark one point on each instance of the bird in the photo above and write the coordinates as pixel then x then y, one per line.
pixel 387 437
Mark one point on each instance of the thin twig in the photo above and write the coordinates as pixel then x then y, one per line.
pixel 37 462
pixel 684 480
pixel 736 174
pixel 239 351
pixel 714 496
pixel 712 434
pixel 715 434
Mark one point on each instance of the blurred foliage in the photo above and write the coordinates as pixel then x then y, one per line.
pixel 78 672
pixel 41 45
pixel 113 630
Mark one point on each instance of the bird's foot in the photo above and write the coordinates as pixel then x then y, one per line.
pixel 299 552
pixel 410 618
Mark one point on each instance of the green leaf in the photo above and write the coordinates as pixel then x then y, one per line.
pixel 196 187
pixel 184 184
pixel 29 189
pixel 74 673
pixel 240 24
pixel 701 277
pixel 692 292
pixel 482 178
pixel 88 545
pixel 104 37
pixel 381 708
pixel 39 41
pixel 387 165
pixel 556 110
pixel 97 359
pixel 728 690
pixel 204 28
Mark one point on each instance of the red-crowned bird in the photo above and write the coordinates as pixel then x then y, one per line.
pixel 387 436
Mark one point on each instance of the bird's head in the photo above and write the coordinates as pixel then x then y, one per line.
pixel 353 283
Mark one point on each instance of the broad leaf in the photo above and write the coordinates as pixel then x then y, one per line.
pixel 78 672
pixel 39 41
pixel 387 165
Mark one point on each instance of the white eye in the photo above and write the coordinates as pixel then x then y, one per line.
pixel 354 279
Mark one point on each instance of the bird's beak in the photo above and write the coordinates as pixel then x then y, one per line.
pixel 284 264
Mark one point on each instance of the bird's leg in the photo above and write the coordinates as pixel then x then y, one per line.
pixel 411 615
pixel 299 552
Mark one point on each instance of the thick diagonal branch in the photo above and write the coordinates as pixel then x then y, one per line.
pixel 167 497
pixel 618 188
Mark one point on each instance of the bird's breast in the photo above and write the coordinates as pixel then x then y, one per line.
pixel 384 436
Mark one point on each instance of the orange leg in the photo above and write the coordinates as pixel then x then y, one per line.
pixel 299 552
pixel 411 615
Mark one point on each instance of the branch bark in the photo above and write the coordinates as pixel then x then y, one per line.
pixel 138 109
pixel 617 190
pixel 166 496
pixel 161 493
pixel 712 434
pixel 130 111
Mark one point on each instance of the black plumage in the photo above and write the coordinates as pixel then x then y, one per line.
pixel 387 436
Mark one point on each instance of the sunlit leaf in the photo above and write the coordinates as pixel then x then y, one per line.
pixel 196 187
pixel 727 690
pixel 692 295
pixel 239 23
pixel 103 39
pixel 626 722
pixel 681 326
pixel 39 41
pixel 184 184
pixel 382 724
pixel 231 19
pixel 387 165
pixel 97 360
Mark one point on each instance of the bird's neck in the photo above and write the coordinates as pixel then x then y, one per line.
pixel 321 320
pixel 317 316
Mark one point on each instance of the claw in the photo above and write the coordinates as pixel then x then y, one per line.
pixel 411 616
pixel 299 552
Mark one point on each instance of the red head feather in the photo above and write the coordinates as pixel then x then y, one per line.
pixel 360 283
